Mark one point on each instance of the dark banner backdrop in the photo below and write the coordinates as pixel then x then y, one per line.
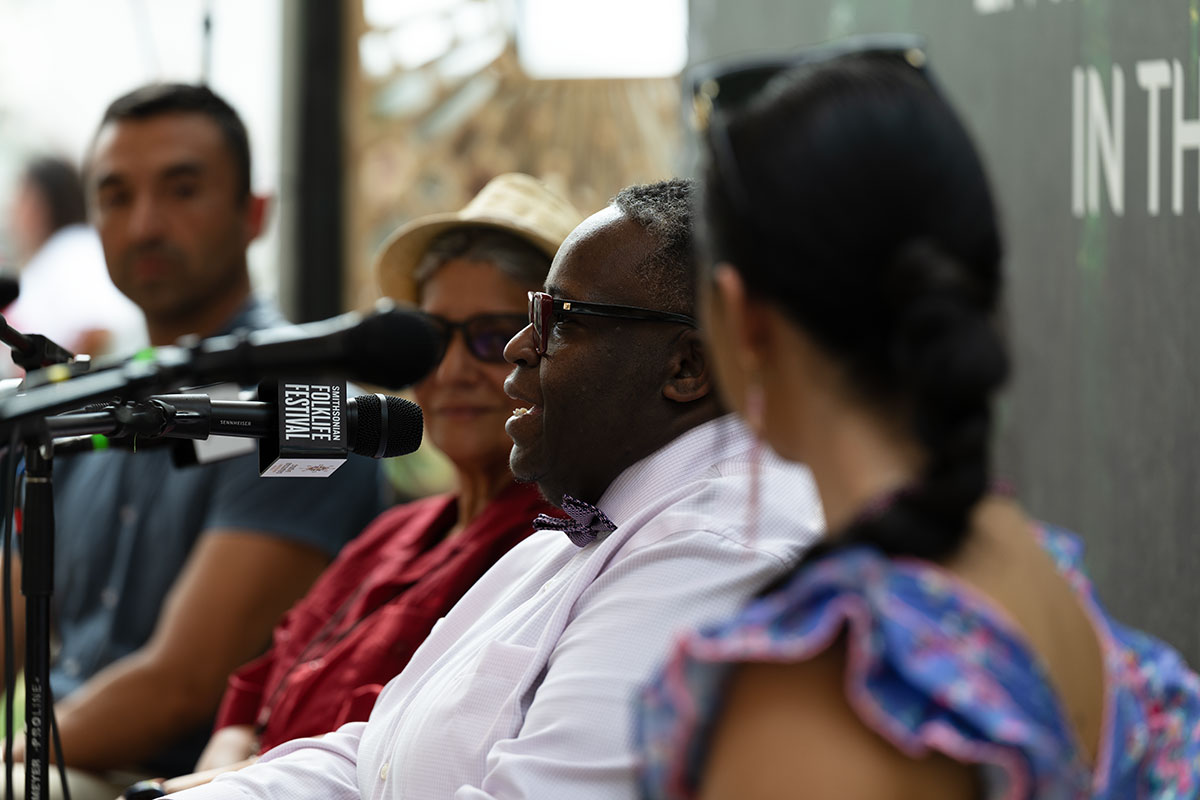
pixel 1087 113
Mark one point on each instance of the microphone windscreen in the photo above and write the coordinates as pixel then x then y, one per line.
pixel 393 349
pixel 10 287
pixel 398 435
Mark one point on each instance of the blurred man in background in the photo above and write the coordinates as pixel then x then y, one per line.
pixel 66 293
pixel 169 578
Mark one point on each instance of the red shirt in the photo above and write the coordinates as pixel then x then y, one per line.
pixel 369 612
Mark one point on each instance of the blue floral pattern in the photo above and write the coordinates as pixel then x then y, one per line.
pixel 934 665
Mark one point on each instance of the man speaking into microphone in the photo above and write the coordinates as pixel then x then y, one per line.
pixel 526 688
pixel 168 578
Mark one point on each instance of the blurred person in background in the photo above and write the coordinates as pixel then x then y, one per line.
pixel 66 293
pixel 938 643
pixel 168 578
pixel 470 271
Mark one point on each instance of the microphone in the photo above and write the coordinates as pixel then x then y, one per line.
pixel 389 348
pixel 377 425
pixel 29 351
pixel 10 289
pixel 32 351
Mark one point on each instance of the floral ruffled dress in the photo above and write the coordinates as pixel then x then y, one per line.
pixel 934 665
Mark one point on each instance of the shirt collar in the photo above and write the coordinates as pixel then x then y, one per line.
pixel 674 463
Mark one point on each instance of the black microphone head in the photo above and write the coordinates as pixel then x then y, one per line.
pixel 380 435
pixel 392 348
pixel 10 287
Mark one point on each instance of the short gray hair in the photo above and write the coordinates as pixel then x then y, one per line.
pixel 664 210
pixel 515 257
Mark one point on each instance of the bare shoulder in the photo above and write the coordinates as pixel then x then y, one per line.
pixel 787 730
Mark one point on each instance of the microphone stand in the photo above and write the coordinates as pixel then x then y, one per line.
pixel 246 356
pixel 25 417
pixel 37 584
pixel 32 352
pixel 37 560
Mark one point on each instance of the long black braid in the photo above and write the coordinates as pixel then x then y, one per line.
pixel 872 226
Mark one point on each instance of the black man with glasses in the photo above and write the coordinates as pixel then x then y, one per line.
pixel 373 607
pixel 525 689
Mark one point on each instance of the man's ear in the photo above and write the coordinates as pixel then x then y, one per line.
pixel 257 206
pixel 689 374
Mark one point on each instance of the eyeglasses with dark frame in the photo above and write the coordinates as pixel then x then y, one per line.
pixel 543 308
pixel 485 335
pixel 722 87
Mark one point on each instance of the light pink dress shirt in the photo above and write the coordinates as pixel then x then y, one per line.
pixel 526 688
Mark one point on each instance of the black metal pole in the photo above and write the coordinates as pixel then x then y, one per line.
pixel 37 584
pixel 320 230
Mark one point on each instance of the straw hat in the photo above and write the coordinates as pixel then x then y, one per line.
pixel 513 202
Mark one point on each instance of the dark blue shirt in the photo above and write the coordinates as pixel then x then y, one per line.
pixel 126 523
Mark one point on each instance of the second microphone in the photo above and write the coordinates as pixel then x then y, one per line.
pixel 314 418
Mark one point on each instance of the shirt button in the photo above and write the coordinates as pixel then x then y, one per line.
pixel 108 598
pixel 383 771
pixel 71 667
pixel 127 514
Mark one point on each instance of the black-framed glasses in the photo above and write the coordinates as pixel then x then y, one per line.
pixel 721 88
pixel 485 335
pixel 543 308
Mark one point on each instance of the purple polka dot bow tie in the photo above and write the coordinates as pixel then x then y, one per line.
pixel 585 523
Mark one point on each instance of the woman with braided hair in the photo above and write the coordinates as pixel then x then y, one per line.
pixel 938 643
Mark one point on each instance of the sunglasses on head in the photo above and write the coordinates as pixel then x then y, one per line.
pixel 545 308
pixel 720 89
pixel 485 335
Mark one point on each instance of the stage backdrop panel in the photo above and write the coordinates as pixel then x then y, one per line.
pixel 1087 113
